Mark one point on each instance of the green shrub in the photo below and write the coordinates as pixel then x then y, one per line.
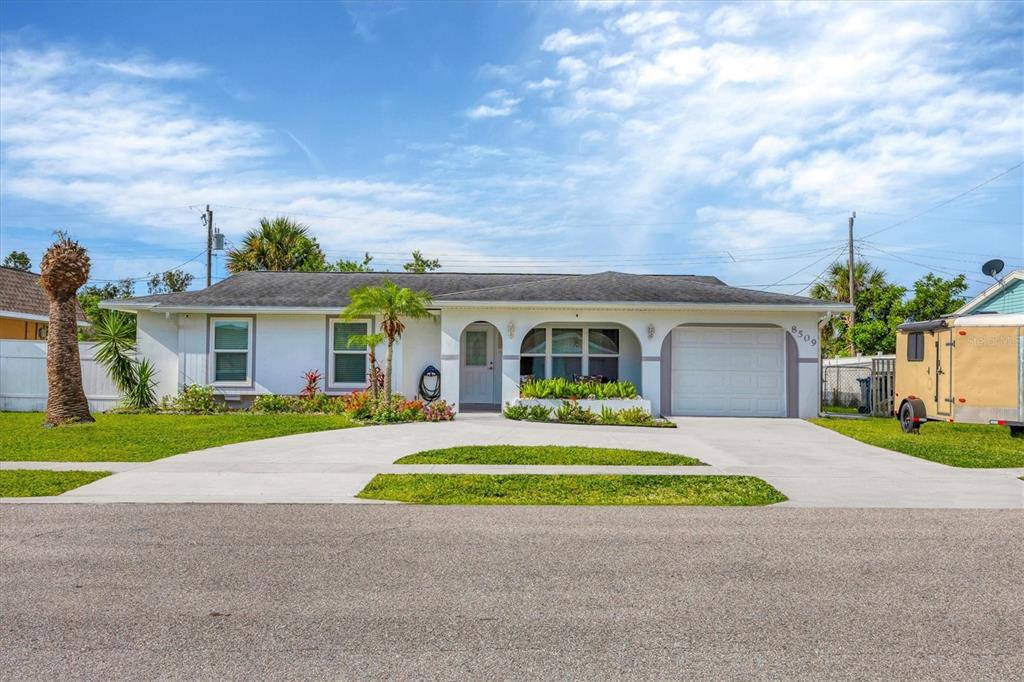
pixel 193 399
pixel 539 413
pixel 560 388
pixel 517 412
pixel 634 416
pixel 572 411
pixel 608 415
pixel 270 403
pixel 321 403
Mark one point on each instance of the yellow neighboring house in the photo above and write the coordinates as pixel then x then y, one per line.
pixel 24 308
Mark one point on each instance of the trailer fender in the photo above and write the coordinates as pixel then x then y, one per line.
pixel 912 414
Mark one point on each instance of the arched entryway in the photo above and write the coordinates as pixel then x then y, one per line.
pixel 480 368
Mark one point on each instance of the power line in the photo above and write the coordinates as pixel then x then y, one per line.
pixel 943 203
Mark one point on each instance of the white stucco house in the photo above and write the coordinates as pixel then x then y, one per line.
pixel 691 344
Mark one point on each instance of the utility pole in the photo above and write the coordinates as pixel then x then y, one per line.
pixel 853 285
pixel 208 219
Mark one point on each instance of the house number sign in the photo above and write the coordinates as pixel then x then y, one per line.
pixel 803 336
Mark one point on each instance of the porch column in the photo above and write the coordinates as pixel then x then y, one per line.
pixel 650 380
pixel 451 336
pixel 509 379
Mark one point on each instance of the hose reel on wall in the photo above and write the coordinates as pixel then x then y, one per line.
pixel 430 384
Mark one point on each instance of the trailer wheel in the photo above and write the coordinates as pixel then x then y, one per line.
pixel 1017 432
pixel 906 417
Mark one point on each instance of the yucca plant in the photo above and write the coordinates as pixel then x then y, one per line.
pixel 63 270
pixel 114 334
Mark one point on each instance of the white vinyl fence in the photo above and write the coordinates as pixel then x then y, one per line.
pixel 23 378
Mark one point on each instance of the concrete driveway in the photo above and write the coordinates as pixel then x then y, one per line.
pixel 813 466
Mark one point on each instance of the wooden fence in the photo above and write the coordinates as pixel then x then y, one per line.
pixel 23 378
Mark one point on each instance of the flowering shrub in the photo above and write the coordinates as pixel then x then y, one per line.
pixel 359 404
pixel 439 411
pixel 571 411
pixel 312 388
pixel 193 399
pixel 559 388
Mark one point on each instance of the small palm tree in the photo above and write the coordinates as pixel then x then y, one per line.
pixel 278 244
pixel 390 303
pixel 371 341
pixel 65 268
pixel 836 287
pixel 114 334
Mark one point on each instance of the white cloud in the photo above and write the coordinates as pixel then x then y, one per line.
pixel 642 22
pixel 564 40
pixel 488 111
pixel 143 67
pixel 758 228
pixel 733 21
pixel 544 84
pixel 575 69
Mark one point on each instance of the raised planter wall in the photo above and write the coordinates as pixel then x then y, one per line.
pixel 592 405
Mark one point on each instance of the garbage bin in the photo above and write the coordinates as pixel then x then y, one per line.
pixel 865 395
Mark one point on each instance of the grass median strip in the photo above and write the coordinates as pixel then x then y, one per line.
pixel 484 489
pixel 145 437
pixel 39 483
pixel 958 445
pixel 546 454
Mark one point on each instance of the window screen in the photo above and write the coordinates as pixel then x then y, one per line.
pixel 915 346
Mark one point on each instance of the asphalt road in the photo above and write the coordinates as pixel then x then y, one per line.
pixel 334 592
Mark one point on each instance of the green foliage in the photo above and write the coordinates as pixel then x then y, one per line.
pixel 634 416
pixel 572 411
pixel 421 264
pixel 171 281
pixel 388 303
pixel 37 483
pixel 879 312
pixel 516 412
pixel 146 437
pixel 959 445
pixel 278 244
pixel 114 334
pixel 345 265
pixel 547 454
pixel 89 298
pixel 269 403
pixel 439 411
pixel 560 388
pixel 18 260
pixel 934 297
pixel 539 413
pixel 193 399
pixel 608 415
pixel 142 395
pixel 571 489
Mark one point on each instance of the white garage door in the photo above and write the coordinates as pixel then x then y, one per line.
pixel 717 371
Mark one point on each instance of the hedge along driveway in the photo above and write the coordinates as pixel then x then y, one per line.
pixel 146 437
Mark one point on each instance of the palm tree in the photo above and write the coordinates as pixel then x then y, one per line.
pixel 65 268
pixel 114 334
pixel 370 341
pixel 390 303
pixel 278 244
pixel 836 287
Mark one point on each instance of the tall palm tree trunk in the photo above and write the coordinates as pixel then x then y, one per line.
pixel 64 268
pixel 66 401
pixel 387 371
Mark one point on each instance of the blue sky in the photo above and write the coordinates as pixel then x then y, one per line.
pixel 726 139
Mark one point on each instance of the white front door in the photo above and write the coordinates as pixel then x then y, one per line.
pixel 734 372
pixel 477 380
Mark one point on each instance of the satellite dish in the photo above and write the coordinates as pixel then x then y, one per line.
pixel 993 267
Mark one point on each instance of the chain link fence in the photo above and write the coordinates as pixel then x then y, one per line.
pixel 858 386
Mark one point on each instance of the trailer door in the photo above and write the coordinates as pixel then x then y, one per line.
pixel 944 372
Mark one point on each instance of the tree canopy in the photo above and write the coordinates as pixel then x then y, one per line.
pixel 18 260
pixel 278 244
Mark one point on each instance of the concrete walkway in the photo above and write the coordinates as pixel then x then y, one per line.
pixel 813 466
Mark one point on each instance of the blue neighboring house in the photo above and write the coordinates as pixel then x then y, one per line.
pixel 1005 297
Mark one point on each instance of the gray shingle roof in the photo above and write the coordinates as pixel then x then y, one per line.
pixel 330 289
pixel 20 292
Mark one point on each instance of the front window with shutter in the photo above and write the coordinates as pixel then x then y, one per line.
pixel 349 363
pixel 231 348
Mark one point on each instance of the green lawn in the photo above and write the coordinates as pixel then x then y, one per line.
pixel 483 489
pixel 145 437
pixel 545 454
pixel 33 483
pixel 959 445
